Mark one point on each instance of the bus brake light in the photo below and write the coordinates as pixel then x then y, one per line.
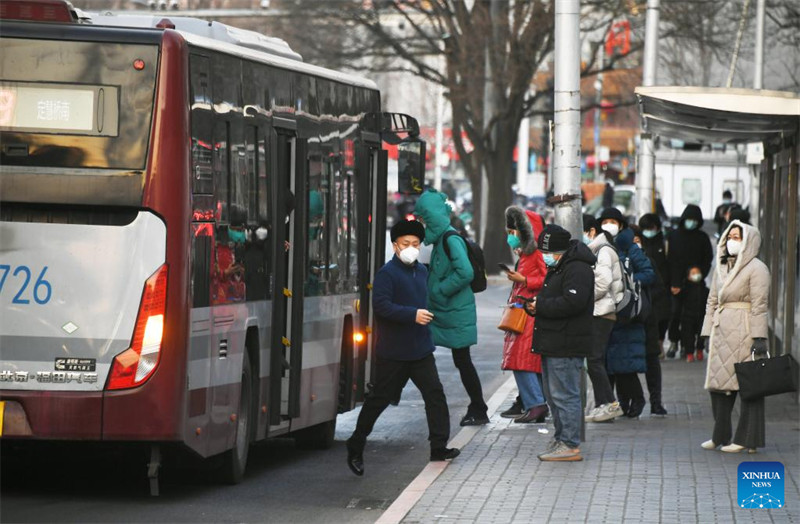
pixel 38 10
pixel 358 337
pixel 136 364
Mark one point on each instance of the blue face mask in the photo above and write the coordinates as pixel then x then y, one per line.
pixel 549 260
pixel 513 241
pixel 586 239
pixel 649 233
pixel 237 237
pixel 690 224
pixel 726 201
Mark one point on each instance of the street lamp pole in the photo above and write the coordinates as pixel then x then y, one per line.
pixel 567 154
pixel 646 172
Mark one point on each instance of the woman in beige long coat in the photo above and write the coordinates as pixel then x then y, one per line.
pixel 735 328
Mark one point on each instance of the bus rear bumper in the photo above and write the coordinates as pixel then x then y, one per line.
pixel 37 415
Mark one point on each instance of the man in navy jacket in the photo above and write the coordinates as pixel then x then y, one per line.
pixel 404 347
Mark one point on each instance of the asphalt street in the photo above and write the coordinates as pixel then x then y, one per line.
pixel 54 483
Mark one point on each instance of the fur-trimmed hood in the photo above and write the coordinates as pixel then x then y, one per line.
pixel 529 225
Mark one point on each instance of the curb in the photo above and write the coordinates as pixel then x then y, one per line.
pixel 414 491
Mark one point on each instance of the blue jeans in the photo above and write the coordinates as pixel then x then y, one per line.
pixel 562 386
pixel 529 385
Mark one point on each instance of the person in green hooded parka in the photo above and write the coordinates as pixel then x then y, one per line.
pixel 450 298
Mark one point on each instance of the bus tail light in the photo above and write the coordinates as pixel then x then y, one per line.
pixel 136 364
pixel 358 337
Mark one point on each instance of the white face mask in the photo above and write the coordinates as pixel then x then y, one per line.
pixel 734 247
pixel 261 233
pixel 612 229
pixel 696 277
pixel 408 255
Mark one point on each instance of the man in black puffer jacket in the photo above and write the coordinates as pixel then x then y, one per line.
pixel 563 334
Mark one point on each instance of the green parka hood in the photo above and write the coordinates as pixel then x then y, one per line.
pixel 434 211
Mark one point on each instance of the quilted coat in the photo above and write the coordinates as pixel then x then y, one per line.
pixel 450 298
pixel 736 311
pixel 608 286
pixel 517 355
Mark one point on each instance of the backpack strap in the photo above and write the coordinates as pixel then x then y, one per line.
pixel 447 234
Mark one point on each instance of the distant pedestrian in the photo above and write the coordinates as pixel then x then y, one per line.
pixel 450 298
pixel 626 353
pixel 404 347
pixel 734 330
pixel 608 195
pixel 655 248
pixel 608 290
pixel 719 215
pixel 528 278
pixel 659 310
pixel 563 335
pixel 687 246
pixel 693 297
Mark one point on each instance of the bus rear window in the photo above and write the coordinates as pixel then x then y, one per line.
pixel 76 104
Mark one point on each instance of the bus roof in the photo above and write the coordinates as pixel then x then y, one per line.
pixel 234 41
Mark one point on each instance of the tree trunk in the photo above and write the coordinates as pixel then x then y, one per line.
pixel 500 162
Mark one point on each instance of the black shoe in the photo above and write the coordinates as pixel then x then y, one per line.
pixel 636 409
pixel 438 455
pixel 514 411
pixel 474 420
pixel 658 411
pixel 535 415
pixel 355 458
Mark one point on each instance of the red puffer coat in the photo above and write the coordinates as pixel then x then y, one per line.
pixel 517 355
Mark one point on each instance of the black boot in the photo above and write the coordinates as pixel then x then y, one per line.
pixel 355 457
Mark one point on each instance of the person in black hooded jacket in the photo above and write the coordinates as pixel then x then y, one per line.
pixel 687 246
pixel 562 334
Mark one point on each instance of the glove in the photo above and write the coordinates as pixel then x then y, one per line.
pixel 705 344
pixel 759 346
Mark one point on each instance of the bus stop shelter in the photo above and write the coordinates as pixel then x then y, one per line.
pixel 747 116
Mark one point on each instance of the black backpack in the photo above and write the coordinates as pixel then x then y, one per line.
pixel 475 254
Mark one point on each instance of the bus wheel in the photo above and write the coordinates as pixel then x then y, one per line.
pixel 234 460
pixel 319 436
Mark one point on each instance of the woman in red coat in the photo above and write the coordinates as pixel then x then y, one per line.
pixel 528 278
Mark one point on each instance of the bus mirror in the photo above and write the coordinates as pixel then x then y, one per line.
pixel 411 166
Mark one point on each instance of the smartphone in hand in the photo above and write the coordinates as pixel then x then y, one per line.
pixel 504 267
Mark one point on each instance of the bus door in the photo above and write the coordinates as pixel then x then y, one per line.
pixel 372 165
pixel 289 223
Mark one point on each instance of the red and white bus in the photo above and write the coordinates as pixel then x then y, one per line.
pixel 190 220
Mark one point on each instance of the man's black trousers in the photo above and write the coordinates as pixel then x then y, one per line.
pixel 391 376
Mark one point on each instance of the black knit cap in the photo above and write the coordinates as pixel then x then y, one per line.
pixel 553 239
pixel 614 214
pixel 590 222
pixel 407 227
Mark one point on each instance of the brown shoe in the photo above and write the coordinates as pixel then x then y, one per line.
pixel 561 453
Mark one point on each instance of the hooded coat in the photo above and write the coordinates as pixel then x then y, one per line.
pixel 608 286
pixel 627 345
pixel 688 247
pixel 736 311
pixel 565 305
pixel 517 355
pixel 450 296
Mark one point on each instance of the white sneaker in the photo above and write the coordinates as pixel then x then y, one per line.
pixel 592 414
pixel 608 411
pixel 736 448
pixel 708 444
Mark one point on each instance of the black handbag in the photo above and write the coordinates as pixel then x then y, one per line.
pixel 767 376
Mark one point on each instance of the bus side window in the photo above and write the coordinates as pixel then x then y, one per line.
pixel 257 250
pixel 221 164
pixel 201 264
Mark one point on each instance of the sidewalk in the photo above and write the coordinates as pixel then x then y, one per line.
pixel 646 470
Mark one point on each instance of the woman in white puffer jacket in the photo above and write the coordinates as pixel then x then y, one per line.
pixel 608 289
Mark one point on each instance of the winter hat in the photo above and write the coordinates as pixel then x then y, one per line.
pixel 554 239
pixel 614 214
pixel 650 221
pixel 590 222
pixel 407 227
